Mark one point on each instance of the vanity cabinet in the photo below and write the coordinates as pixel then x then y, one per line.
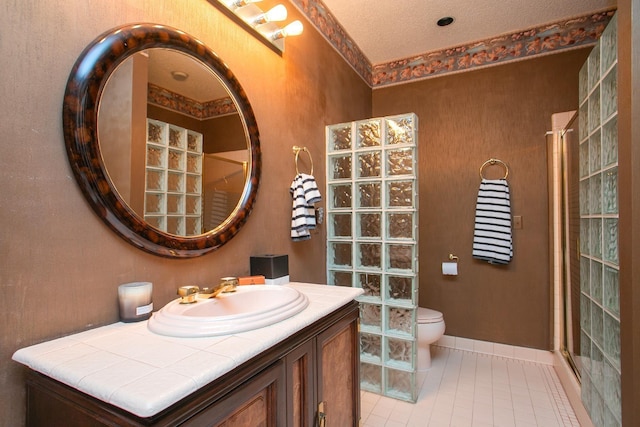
pixel 309 379
pixel 323 378
pixel 253 404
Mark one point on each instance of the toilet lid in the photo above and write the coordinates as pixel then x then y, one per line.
pixel 426 315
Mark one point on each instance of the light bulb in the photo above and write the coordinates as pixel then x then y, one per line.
pixel 276 13
pixel 293 29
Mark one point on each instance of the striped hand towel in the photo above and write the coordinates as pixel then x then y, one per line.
pixel 492 240
pixel 305 193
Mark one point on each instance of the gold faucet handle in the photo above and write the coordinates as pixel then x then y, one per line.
pixel 226 285
pixel 229 281
pixel 187 294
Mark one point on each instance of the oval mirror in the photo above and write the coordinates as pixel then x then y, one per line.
pixel 162 140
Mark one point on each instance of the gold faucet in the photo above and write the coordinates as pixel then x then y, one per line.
pixel 226 285
pixel 187 294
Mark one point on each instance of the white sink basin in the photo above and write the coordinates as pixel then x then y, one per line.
pixel 249 307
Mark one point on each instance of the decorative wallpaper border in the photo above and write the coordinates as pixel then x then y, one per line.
pixel 326 24
pixel 165 98
pixel 549 38
pixel 567 34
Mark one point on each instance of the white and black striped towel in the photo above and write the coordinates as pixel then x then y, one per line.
pixel 492 240
pixel 305 193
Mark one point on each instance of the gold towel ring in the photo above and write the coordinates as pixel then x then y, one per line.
pixel 492 162
pixel 297 151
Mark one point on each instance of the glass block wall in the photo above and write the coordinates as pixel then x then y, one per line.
pixel 372 242
pixel 599 299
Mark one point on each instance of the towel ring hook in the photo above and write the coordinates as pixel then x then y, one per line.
pixel 491 162
pixel 297 151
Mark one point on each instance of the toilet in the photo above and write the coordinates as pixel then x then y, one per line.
pixel 430 330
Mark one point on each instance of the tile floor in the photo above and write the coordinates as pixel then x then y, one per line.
pixel 464 388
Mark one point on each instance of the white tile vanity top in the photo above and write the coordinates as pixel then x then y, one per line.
pixel 128 366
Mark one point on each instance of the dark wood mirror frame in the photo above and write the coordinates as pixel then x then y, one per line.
pixel 80 115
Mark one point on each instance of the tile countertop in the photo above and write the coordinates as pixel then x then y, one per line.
pixel 128 366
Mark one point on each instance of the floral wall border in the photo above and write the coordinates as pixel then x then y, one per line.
pixel 567 34
pixel 165 98
pixel 570 34
pixel 317 13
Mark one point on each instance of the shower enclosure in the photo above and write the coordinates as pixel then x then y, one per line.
pixel 585 160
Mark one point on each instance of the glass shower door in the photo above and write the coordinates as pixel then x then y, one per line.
pixel 570 153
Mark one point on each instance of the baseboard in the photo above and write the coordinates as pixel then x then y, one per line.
pixel 509 351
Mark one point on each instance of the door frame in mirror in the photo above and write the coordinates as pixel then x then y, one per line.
pixel 80 116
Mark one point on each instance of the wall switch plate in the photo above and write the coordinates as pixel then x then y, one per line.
pixel 517 222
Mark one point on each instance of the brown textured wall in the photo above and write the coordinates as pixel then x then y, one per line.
pixel 223 129
pixel 500 112
pixel 60 265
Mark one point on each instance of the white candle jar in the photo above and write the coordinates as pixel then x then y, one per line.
pixel 135 302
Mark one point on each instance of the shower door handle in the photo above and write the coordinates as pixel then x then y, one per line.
pixel 578 248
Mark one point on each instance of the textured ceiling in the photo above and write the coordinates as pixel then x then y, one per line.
pixel 201 85
pixel 387 30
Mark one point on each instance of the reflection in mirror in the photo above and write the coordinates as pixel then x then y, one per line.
pixel 176 152
pixel 175 168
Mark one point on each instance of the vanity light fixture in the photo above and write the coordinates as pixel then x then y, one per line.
pixel 260 24
pixel 234 4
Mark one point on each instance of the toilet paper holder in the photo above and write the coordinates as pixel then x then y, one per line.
pixel 450 268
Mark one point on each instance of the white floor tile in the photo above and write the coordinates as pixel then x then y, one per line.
pixel 374 421
pixel 383 408
pixel 483 414
pixel 469 389
pixel 502 391
pixel 401 413
pixel 526 423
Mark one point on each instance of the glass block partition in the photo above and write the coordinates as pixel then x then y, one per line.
pixel 173 187
pixel 600 299
pixel 372 242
